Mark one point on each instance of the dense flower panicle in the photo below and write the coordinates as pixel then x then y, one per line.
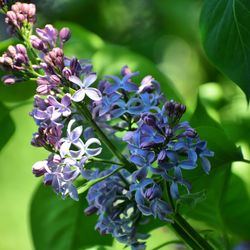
pixel 160 146
pixel 20 15
pixel 116 208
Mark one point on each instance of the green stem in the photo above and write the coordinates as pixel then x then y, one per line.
pixel 183 228
pixel 97 160
pixel 84 110
pixel 189 234
pixel 246 161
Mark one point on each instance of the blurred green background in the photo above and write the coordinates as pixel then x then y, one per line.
pixel 155 37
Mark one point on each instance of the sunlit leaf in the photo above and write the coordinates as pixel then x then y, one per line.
pixel 61 224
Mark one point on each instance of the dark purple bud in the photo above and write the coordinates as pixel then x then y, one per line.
pixel 149 119
pixel 152 193
pixel 125 70
pixel 90 210
pixel 65 34
pixel 190 132
pixel 66 73
pixel 39 168
pixel 75 66
pixel 174 110
pixel 37 43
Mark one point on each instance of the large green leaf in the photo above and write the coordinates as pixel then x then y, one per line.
pixel 16 180
pixel 211 131
pixel 61 224
pixel 227 200
pixel 225 28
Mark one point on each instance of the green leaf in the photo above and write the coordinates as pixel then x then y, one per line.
pixel 7 125
pixel 226 201
pixel 211 131
pixel 225 28
pixel 17 92
pixel 16 180
pixel 61 224
pixel 192 199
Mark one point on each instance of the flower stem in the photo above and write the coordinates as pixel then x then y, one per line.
pixel 128 165
pixel 189 234
pixel 184 229
pixel 97 160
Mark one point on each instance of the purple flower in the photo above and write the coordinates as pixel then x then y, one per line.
pixel 148 84
pixel 132 107
pixel 60 174
pixel 73 138
pixel 124 83
pixel 48 115
pixel 148 198
pixel 47 83
pixel 93 93
pixel 63 106
pixel 49 34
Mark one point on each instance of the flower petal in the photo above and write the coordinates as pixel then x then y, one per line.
pixel 93 94
pixel 89 79
pixel 76 80
pixel 64 149
pixel 79 95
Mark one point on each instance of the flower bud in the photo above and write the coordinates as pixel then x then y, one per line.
pixel 20 14
pixel 66 73
pixel 190 132
pixel 9 80
pixel 37 43
pixel 65 34
pixel 125 70
pixel 149 119
pixel 90 210
pixel 39 168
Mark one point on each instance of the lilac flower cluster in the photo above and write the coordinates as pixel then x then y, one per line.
pixel 20 15
pixel 70 115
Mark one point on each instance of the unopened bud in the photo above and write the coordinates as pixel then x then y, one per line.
pixel 125 70
pixel 65 34
pixel 66 73
pixel 149 119
pixel 90 210
pixel 39 168
pixel 9 80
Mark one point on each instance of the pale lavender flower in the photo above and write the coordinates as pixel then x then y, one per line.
pixel 73 138
pixel 93 93
pixel 62 107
